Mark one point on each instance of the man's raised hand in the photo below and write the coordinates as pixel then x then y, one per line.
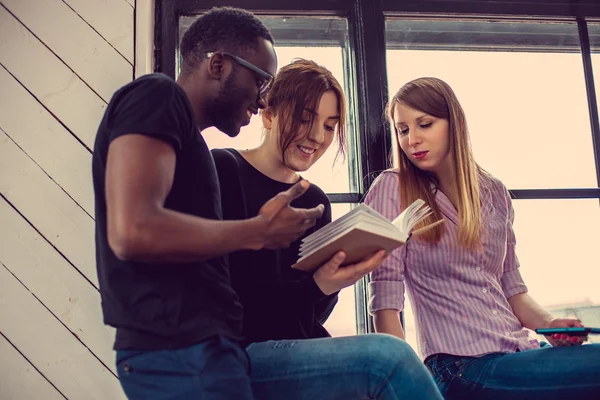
pixel 284 224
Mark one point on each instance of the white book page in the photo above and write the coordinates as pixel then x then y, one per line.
pixel 411 216
pixel 362 212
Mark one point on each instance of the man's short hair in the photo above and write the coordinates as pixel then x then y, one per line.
pixel 221 28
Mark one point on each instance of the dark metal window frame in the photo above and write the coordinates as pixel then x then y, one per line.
pixel 366 65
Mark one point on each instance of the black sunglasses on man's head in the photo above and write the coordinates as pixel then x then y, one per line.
pixel 265 86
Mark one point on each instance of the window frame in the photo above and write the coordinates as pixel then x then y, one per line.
pixel 365 59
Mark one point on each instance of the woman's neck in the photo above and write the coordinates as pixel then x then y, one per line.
pixel 268 161
pixel 448 185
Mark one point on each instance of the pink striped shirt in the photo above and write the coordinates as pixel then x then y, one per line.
pixel 459 296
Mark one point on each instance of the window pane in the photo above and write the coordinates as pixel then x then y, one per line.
pixel 342 321
pixel 292 41
pixel 521 85
pixel 557 243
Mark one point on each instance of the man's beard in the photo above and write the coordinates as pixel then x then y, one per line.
pixel 225 110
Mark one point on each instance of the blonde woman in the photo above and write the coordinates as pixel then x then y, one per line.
pixel 470 302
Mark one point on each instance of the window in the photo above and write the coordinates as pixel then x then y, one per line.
pixel 557 244
pixel 522 86
pixel 521 81
pixel 525 100
pixel 329 176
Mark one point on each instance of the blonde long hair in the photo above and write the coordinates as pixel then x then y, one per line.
pixel 435 97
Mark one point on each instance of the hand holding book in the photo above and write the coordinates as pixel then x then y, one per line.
pixel 359 233
pixel 330 277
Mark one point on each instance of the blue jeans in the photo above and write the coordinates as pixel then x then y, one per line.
pixel 548 373
pixel 216 368
pixel 373 366
pixel 349 368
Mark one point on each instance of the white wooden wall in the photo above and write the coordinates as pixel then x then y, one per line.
pixel 60 62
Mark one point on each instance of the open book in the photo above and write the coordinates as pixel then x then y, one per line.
pixel 360 233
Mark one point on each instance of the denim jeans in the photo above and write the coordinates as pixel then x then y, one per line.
pixel 216 368
pixel 373 366
pixel 348 368
pixel 548 373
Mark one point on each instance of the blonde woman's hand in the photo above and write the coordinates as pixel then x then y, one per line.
pixel 562 339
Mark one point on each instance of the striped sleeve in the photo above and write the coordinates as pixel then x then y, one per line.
pixel 512 281
pixel 386 289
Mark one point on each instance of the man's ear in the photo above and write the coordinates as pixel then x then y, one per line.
pixel 216 66
pixel 267 118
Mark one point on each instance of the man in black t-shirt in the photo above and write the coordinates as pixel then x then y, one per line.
pixel 160 241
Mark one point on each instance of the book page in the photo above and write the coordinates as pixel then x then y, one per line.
pixel 411 216
pixel 369 226
pixel 362 212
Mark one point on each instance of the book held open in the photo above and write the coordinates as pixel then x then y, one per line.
pixel 360 233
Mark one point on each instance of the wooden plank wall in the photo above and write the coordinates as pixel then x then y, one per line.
pixel 60 63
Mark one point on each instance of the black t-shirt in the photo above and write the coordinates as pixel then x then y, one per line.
pixel 163 305
pixel 279 302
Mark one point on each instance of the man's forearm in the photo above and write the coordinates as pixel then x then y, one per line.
pixel 167 235
pixel 529 312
